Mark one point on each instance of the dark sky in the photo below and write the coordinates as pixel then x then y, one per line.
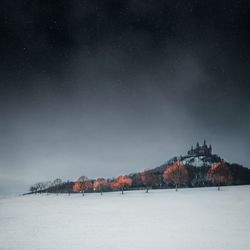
pixel 102 88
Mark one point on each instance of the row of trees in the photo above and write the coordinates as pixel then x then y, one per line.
pixel 41 186
pixel 176 175
pixel 83 184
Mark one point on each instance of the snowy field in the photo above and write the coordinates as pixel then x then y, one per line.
pixel 189 219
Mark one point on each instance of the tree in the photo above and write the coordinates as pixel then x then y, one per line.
pixel 87 185
pixel 219 174
pixel 40 187
pixel 122 182
pixel 136 180
pixel 47 185
pixel 82 184
pixel 82 178
pixel 176 174
pixel 33 188
pixel 68 187
pixel 100 185
pixel 77 187
pixel 148 179
pixel 56 184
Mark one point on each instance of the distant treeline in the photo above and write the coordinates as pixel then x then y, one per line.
pixel 175 175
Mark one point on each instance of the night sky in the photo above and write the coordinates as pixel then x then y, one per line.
pixel 103 88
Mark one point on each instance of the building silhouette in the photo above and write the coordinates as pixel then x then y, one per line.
pixel 200 150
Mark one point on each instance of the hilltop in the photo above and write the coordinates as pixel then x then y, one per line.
pixel 199 160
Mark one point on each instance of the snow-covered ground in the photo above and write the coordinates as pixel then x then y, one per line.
pixel 189 219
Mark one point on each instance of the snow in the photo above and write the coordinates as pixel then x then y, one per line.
pixel 199 218
pixel 197 161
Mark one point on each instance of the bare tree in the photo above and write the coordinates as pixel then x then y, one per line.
pixel 56 184
pixel 148 179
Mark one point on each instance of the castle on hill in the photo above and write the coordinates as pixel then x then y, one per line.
pixel 200 150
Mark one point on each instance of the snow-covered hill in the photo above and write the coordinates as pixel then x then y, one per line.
pixel 200 218
pixel 200 161
pixel 191 161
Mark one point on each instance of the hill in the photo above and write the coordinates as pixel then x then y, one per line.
pixel 199 160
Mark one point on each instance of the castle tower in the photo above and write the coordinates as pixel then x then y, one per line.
pixel 210 149
pixel 192 150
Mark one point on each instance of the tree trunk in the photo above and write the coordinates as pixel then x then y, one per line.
pixel 147 190
pixel 176 187
pixel 218 187
pixel 82 193
pixel 101 191
pixel 122 190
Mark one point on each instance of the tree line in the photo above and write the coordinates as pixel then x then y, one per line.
pixel 175 175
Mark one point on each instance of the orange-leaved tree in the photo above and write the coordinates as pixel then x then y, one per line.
pixel 219 174
pixel 176 174
pixel 122 182
pixel 148 179
pixel 77 188
pixel 82 184
pixel 100 185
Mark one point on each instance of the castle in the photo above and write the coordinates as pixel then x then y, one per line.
pixel 200 150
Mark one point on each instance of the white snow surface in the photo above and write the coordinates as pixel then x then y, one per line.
pixel 197 161
pixel 198 218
